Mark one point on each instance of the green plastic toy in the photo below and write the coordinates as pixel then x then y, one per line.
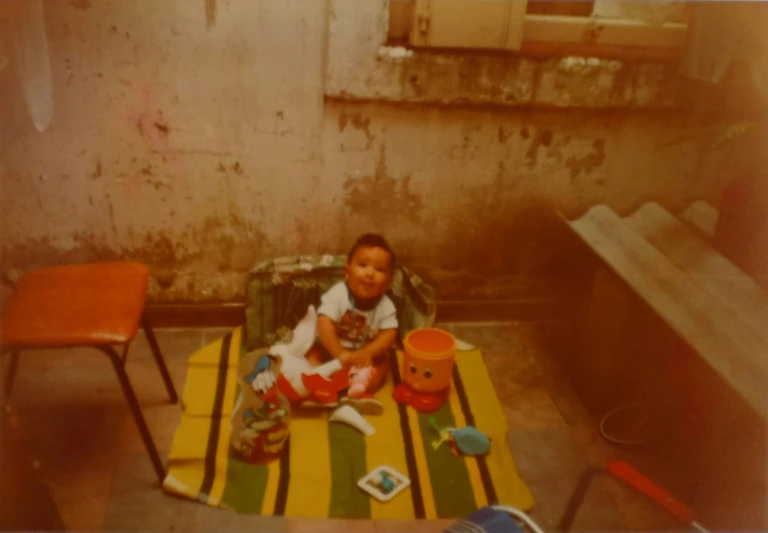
pixel 467 440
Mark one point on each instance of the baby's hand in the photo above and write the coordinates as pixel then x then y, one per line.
pixel 345 358
pixel 359 358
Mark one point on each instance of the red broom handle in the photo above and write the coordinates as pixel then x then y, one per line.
pixel 626 473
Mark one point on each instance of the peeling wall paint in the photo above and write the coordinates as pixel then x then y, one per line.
pixel 486 185
pixel 168 143
pixel 200 150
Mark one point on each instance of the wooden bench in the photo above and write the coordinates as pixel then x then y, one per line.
pixel 714 307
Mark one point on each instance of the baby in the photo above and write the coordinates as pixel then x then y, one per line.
pixel 357 322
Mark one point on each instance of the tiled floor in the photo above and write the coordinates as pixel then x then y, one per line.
pixel 78 430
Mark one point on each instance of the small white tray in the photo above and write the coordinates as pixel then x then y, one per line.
pixel 369 484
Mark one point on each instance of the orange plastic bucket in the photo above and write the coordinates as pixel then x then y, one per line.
pixel 428 359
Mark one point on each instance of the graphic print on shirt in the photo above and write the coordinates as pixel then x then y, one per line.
pixel 352 327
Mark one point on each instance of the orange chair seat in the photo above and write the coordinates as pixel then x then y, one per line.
pixel 75 305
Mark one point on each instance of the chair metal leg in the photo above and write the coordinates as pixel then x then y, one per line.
pixel 10 377
pixel 159 358
pixel 135 410
pixel 577 497
pixel 626 474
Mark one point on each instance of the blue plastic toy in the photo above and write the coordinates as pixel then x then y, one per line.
pixel 386 483
pixel 468 440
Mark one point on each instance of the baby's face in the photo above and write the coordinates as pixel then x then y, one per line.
pixel 369 272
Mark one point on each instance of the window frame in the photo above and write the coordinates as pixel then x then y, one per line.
pixel 540 35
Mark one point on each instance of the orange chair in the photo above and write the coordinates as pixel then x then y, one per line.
pixel 99 305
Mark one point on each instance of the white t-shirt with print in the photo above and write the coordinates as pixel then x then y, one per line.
pixel 355 327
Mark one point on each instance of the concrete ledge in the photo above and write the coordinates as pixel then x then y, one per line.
pixel 360 66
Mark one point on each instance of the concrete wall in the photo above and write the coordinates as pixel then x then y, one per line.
pixel 204 146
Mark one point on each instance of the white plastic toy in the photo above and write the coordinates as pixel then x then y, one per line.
pixel 293 353
pixel 349 415
pixel 384 483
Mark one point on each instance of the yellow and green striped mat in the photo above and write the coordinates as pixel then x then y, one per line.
pixel 318 474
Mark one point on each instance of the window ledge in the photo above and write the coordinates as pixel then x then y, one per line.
pixel 361 67
pixel 400 74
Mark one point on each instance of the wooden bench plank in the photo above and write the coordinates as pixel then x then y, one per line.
pixel 721 278
pixel 728 345
pixel 682 284
pixel 702 217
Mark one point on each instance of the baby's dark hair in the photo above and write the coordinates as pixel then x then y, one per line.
pixel 373 240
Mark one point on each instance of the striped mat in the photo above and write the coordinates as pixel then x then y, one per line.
pixel 318 474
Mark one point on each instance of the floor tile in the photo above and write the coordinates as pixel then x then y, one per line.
pixel 597 512
pixel 148 384
pixel 490 336
pixel 749 515
pixel 25 498
pixel 241 523
pixel 137 502
pixel 162 420
pixel 594 448
pixel 312 525
pixel 64 379
pixel 513 369
pixel 557 384
pixel 82 496
pixel 530 407
pixel 173 343
pixel 75 449
pixel 639 512
pixel 134 474
pixel 70 439
pixel 176 345
pixel 545 453
pixel 214 334
pixel 412 526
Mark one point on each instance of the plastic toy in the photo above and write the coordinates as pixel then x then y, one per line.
pixel 383 483
pixel 360 380
pixel 349 415
pixel 421 401
pixel 300 381
pixel 387 484
pixel 468 440
pixel 261 418
pixel 427 371
pixel 303 384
